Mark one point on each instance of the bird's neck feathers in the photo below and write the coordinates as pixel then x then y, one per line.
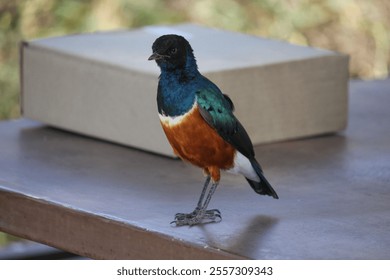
pixel 181 73
pixel 176 93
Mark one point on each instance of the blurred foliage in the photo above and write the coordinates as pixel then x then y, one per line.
pixel 360 28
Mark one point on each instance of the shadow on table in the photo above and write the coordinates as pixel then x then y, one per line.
pixel 247 242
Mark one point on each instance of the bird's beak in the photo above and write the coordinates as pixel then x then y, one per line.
pixel 156 56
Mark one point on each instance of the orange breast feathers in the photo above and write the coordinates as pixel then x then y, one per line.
pixel 193 140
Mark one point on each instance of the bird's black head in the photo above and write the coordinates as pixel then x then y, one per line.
pixel 171 51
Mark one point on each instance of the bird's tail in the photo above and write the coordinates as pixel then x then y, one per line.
pixel 263 187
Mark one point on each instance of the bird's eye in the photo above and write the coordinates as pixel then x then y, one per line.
pixel 173 51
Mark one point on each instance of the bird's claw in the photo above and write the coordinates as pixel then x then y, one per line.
pixel 197 216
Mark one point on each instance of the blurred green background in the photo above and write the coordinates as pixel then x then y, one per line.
pixel 360 28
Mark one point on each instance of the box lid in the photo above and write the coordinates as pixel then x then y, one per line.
pixel 131 48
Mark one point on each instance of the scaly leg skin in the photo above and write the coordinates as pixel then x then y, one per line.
pixel 200 213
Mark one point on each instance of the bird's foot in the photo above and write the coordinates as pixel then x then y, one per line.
pixel 197 216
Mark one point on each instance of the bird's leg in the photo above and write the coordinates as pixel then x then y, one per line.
pixel 181 216
pixel 206 184
pixel 200 213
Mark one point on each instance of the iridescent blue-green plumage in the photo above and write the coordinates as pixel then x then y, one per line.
pixel 217 110
pixel 177 86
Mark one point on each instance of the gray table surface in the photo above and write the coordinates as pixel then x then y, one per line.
pixel 102 200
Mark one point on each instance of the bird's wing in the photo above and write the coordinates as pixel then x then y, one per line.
pixel 217 110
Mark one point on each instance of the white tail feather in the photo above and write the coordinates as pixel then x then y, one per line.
pixel 243 166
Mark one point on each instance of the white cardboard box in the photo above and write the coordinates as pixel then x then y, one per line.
pixel 102 84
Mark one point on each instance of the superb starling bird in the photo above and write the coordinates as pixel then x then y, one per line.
pixel 198 121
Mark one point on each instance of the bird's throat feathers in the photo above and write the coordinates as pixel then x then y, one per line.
pixel 176 90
